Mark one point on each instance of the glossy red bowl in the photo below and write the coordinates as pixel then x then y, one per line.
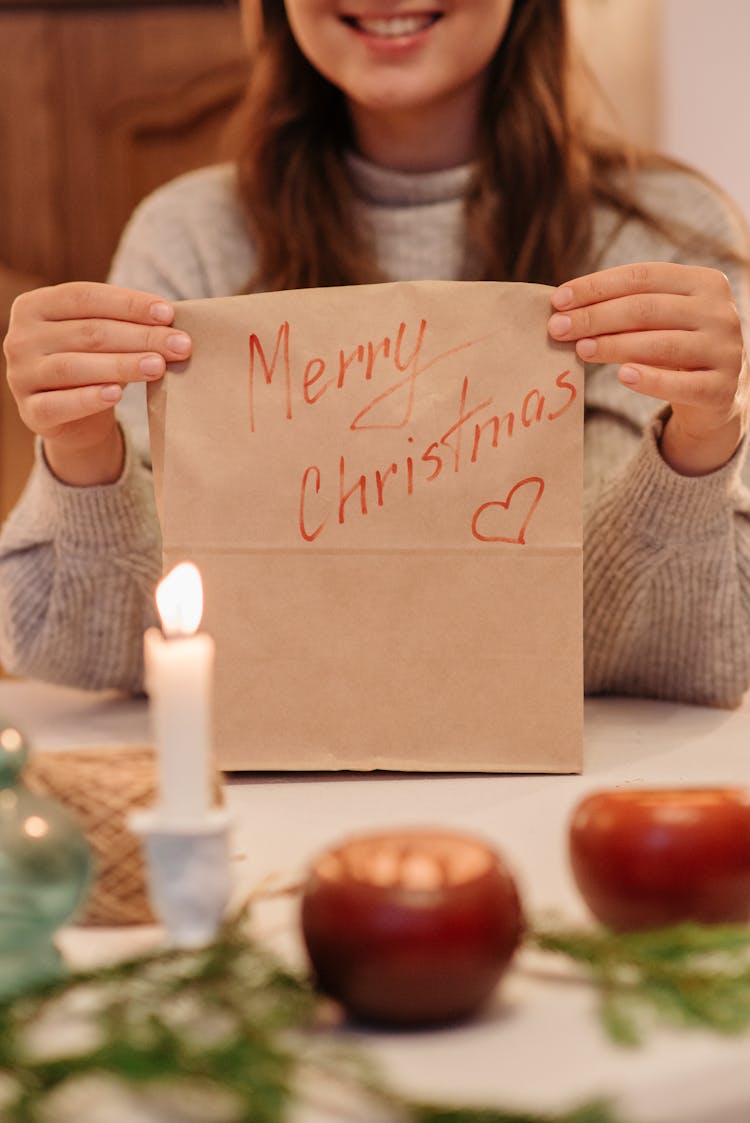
pixel 647 858
pixel 410 928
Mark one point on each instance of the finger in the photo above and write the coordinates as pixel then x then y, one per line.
pixel 706 389
pixel 111 337
pixel 86 299
pixel 49 410
pixel 641 312
pixel 672 350
pixel 625 280
pixel 58 372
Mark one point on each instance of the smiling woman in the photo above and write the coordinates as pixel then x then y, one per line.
pixel 410 75
pixel 385 140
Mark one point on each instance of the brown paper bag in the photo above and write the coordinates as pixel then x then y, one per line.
pixel 381 486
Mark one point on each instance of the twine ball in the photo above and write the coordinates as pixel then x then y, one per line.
pixel 101 787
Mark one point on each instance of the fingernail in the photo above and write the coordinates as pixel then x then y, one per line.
pixel 586 348
pixel 559 325
pixel 629 375
pixel 151 366
pixel 111 393
pixel 180 344
pixel 161 312
pixel 561 298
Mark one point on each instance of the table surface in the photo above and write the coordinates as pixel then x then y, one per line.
pixel 539 1046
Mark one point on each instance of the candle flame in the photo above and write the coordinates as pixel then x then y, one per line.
pixel 35 826
pixel 179 599
pixel 11 740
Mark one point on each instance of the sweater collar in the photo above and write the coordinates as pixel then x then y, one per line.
pixel 386 187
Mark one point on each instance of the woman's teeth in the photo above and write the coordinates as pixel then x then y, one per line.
pixel 393 26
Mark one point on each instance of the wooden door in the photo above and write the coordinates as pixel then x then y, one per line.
pixel 99 106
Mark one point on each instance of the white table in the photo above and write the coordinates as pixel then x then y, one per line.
pixel 540 1046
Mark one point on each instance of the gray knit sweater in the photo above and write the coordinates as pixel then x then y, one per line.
pixel 666 557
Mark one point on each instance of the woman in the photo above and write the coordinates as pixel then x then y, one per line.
pixel 404 139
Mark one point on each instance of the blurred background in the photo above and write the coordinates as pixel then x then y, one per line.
pixel 675 72
pixel 102 100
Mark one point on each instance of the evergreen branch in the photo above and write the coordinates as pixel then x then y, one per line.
pixel 597 1112
pixel 230 1020
pixel 227 1020
pixel 687 975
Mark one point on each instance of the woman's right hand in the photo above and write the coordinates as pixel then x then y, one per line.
pixel 70 350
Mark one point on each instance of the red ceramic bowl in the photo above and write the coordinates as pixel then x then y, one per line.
pixel 410 928
pixel 646 858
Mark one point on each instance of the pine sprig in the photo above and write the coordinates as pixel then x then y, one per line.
pixel 687 975
pixel 219 1016
pixel 598 1112
pixel 228 1020
pixel 231 1021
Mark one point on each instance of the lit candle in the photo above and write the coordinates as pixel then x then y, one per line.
pixel 179 671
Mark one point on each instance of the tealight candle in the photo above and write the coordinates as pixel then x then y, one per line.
pixel 179 671
pixel 649 857
pixel 410 928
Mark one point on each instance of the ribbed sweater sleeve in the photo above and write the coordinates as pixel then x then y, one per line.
pixel 667 582
pixel 666 557
pixel 79 567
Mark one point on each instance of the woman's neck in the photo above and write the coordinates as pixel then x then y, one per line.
pixel 418 139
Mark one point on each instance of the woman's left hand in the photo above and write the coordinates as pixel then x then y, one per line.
pixel 675 333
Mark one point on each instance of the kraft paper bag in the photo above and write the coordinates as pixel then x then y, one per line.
pixel 382 488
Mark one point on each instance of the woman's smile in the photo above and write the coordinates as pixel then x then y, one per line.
pixel 412 71
pixel 396 27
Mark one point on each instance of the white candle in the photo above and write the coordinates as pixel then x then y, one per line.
pixel 179 673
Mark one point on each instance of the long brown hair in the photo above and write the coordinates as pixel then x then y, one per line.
pixel 539 173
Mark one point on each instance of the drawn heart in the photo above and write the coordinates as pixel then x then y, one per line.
pixel 491 521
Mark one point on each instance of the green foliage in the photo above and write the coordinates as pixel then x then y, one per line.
pixel 230 1020
pixel 688 975
pixel 220 1016
pixel 589 1113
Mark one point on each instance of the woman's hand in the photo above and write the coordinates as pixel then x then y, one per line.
pixel 70 349
pixel 675 332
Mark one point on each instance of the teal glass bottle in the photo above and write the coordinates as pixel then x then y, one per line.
pixel 46 867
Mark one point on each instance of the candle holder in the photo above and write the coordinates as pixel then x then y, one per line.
pixel 188 872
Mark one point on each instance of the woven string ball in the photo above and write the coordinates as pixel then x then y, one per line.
pixel 101 787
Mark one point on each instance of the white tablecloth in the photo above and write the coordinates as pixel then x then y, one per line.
pixel 540 1046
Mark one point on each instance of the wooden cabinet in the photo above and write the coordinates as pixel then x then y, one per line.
pixel 98 105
